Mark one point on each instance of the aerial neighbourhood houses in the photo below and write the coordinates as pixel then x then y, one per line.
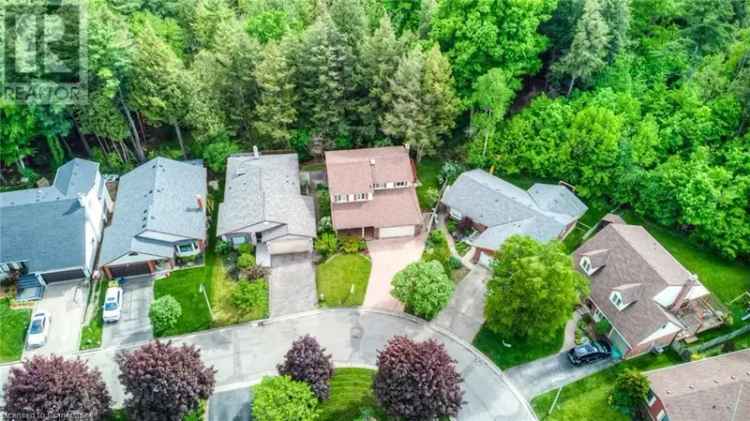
pixel 373 192
pixel 263 205
pixel 646 295
pixel 498 209
pixel 713 389
pixel 159 219
pixel 52 234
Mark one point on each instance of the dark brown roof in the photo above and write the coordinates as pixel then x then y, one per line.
pixel 633 257
pixel 388 208
pixel 714 389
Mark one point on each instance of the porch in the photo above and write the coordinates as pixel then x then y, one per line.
pixel 699 316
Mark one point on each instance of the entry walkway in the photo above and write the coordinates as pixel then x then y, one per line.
pixel 464 315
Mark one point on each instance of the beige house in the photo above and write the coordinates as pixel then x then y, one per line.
pixel 373 192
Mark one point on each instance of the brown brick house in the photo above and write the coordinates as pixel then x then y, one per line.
pixel 373 192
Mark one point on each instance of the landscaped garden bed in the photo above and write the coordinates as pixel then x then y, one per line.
pixel 91 334
pixel 13 325
pixel 342 280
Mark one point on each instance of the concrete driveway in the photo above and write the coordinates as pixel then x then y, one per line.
pixel 388 258
pixel 534 378
pixel 66 304
pixel 291 285
pixel 134 325
pixel 464 315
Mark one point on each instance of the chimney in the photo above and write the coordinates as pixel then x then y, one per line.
pixel 256 154
pixel 199 200
pixel 689 284
pixel 372 162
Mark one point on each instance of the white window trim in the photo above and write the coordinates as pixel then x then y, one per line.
pixel 616 299
pixel 585 264
pixel 661 415
pixel 195 249
pixel 455 214
pixel 652 399
pixel 400 184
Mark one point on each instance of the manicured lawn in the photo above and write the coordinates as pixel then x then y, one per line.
pixel 351 392
pixel 587 399
pixel 336 276
pixel 520 352
pixel 427 173
pixel 725 279
pixel 225 311
pixel 183 286
pixel 91 335
pixel 13 325
pixel 588 220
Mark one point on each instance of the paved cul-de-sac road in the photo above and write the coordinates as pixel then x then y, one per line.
pixel 243 354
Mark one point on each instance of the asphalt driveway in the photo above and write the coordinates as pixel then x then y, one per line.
pixel 291 285
pixel 388 258
pixel 464 315
pixel 534 378
pixel 134 325
pixel 66 304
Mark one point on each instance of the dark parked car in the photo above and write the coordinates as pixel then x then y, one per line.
pixel 590 352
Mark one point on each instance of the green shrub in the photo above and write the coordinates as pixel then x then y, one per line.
pixel 250 295
pixel 164 313
pixel 327 244
pixel 281 398
pixel 245 248
pixel 222 248
pixel 602 327
pixel 325 224
pixel 454 263
pixel 351 244
pixel 423 287
pixel 246 261
pixel 630 391
pixel 324 202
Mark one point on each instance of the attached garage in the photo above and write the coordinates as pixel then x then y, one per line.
pixel 400 231
pixel 290 246
pixel 129 269
pixel 65 275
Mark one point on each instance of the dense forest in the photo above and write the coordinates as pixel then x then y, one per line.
pixel 643 102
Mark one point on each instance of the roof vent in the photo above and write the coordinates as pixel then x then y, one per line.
pixel 372 162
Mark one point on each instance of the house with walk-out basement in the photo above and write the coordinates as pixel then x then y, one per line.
pixel 648 298
pixel 373 192
pixel 51 234
pixel 264 205
pixel 159 220
pixel 498 209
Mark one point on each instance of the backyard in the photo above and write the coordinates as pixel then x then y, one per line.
pixel 351 393
pixel 520 351
pixel 587 399
pixel 342 280
pixel 428 171
pixel 13 324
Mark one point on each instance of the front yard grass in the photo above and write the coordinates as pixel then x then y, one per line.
pixel 351 392
pixel 521 350
pixel 184 286
pixel 91 335
pixel 13 325
pixel 427 173
pixel 587 399
pixel 336 276
pixel 225 311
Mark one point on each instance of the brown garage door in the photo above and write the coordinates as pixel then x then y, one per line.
pixel 65 275
pixel 131 269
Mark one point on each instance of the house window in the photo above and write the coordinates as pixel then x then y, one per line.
pixel 662 416
pixel 377 186
pixel 185 249
pixel 616 299
pixel 651 398
pixel 239 240
pixel 585 264
pixel 401 184
pixel 360 196
pixel 339 198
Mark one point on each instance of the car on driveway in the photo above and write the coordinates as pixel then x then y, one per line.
pixel 112 305
pixel 38 329
pixel 589 352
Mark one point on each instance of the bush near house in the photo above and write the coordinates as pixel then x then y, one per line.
pixel 424 288
pixel 327 244
pixel 164 314
pixel 248 296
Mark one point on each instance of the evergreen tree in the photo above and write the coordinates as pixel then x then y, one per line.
pixel 588 51
pixel 275 113
pixel 617 15
pixel 440 98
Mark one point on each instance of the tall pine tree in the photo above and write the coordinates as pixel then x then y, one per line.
pixel 275 113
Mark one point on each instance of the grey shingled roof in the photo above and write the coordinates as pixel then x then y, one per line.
pixel 265 189
pixel 633 256
pixel 45 226
pixel 159 195
pixel 506 209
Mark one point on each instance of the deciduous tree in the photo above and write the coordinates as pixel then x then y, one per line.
pixel 423 287
pixel 307 362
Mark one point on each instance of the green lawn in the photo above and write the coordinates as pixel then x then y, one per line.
pixel 427 173
pixel 225 311
pixel 587 398
pixel 13 325
pixel 91 335
pixel 183 286
pixel 351 392
pixel 336 276
pixel 521 351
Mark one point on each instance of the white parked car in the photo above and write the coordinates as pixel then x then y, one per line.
pixel 112 305
pixel 38 329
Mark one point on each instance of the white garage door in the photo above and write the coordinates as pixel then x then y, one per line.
pixel 402 231
pixel 485 260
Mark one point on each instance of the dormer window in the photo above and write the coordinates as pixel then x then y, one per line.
pixel 585 264
pixel 616 299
